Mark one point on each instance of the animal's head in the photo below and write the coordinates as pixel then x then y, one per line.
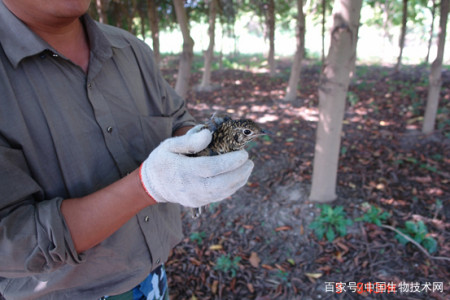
pixel 243 131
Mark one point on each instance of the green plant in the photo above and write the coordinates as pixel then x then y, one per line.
pixel 225 264
pixel 374 215
pixel 352 98
pixel 197 237
pixel 330 221
pixel 418 232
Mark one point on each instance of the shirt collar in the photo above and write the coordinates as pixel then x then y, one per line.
pixel 101 45
pixel 22 42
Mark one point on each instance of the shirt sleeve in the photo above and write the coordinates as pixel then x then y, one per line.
pixel 33 235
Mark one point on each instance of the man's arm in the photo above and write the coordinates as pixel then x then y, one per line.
pixel 93 218
pixel 182 130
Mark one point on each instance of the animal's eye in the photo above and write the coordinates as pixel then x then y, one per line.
pixel 247 132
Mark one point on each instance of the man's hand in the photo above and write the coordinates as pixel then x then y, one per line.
pixel 168 175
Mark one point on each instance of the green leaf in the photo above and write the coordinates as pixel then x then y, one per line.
pixel 342 230
pixel 430 244
pixel 401 239
pixel 418 238
pixel 411 160
pixel 385 215
pixel 421 227
pixel 330 234
pixel 313 225
pixel 338 210
pixel 320 231
pixel 410 226
pixel 429 168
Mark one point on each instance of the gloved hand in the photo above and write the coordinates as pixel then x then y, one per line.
pixel 168 175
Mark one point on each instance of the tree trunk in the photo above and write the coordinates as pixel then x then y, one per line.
pixel 332 96
pixel 154 28
pixel 324 10
pixel 402 35
pixel 209 54
pixel 271 28
pixel 130 8
pixel 433 15
pixel 435 73
pixel 291 91
pixel 117 14
pixel 102 8
pixel 387 19
pixel 143 17
pixel 184 70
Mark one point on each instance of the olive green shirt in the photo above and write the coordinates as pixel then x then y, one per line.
pixel 66 134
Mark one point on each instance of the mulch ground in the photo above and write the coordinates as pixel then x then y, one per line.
pixel 263 230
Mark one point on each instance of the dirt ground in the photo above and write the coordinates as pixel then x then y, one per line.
pixel 263 229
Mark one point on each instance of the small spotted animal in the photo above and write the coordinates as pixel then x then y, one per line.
pixel 228 135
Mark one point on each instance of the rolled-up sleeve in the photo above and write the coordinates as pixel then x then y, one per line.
pixel 33 235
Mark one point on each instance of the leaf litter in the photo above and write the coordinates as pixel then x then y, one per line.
pixel 384 161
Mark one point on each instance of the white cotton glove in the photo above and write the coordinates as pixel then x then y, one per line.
pixel 168 175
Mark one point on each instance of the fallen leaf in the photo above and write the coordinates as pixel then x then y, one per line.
pixel 342 246
pixel 195 261
pixel 314 275
pixel 280 268
pixel 252 184
pixel 215 247
pixel 214 286
pixel 254 259
pixel 283 228
pixel 326 268
pixel 339 256
pixel 233 284
pixel 267 267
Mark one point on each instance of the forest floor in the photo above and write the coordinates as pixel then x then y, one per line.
pixel 259 244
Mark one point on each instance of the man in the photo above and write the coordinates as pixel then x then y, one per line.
pixel 89 196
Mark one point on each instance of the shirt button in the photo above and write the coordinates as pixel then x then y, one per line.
pixel 147 218
pixel 158 261
pixel 109 129
pixel 55 55
pixel 89 85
